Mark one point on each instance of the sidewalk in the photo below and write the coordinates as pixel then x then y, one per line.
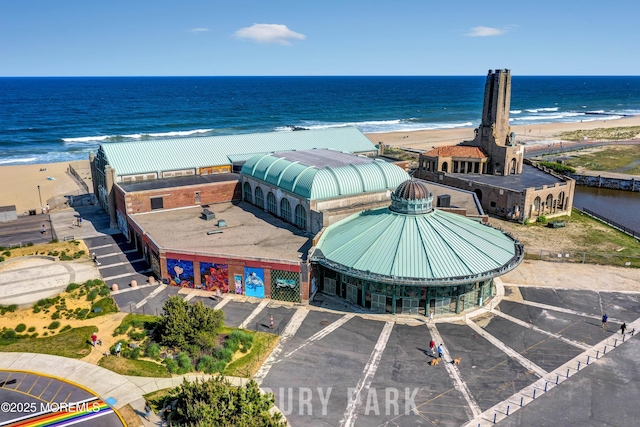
pixel 117 390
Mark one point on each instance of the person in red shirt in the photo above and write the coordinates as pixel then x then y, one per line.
pixel 432 346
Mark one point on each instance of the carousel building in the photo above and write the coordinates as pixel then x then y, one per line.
pixel 412 258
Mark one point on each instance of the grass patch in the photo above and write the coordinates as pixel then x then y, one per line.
pixel 610 158
pixel 248 364
pixel 73 343
pixel 610 134
pixel 136 368
pixel 137 321
pixel 103 306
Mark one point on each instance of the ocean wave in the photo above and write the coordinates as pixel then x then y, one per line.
pixel 537 110
pixel 18 160
pixel 380 126
pixel 515 111
pixel 134 136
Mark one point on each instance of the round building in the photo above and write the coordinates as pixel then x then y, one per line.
pixel 412 258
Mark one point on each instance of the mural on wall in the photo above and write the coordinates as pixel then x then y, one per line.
pixel 237 280
pixel 254 282
pixel 285 285
pixel 180 273
pixel 214 276
pixel 122 223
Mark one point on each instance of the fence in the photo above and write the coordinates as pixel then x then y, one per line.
pixel 613 224
pixel 603 258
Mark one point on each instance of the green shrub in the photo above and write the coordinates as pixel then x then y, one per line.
pixel 72 287
pixel 93 294
pixel 54 325
pixel 55 315
pixel 6 253
pixel 172 365
pixel 83 313
pixel 137 335
pixel 557 167
pixel 31 329
pixel 134 353
pixel 34 335
pixel 542 219
pixel 104 291
pixel 224 355
pixel 184 363
pixel 152 351
pixel 30 244
pixel 1 258
pixel 65 328
pixel 21 327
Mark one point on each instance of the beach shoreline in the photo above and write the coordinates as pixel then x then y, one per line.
pixel 20 182
pixel 529 135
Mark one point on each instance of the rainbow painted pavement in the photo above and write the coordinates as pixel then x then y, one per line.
pixel 64 414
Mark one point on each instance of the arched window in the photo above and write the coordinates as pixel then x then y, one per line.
pixel 445 166
pixel 536 205
pixel 259 198
pixel 301 217
pixel 272 206
pixel 549 203
pixel 285 210
pixel 561 201
pixel 512 168
pixel 248 194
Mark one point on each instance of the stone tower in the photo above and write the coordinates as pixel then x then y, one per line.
pixel 494 134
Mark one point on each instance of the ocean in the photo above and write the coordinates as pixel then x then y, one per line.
pixel 46 120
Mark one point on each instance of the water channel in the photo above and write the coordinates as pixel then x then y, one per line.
pixel 622 207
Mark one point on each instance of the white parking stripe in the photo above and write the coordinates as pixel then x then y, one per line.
pixel 322 333
pixel 355 401
pixel 151 295
pixel 254 313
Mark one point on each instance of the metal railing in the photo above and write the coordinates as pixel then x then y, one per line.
pixel 620 227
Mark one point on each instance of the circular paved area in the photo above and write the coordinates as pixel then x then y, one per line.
pixel 30 399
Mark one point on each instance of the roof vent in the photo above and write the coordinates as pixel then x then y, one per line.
pixel 207 215
pixel 222 223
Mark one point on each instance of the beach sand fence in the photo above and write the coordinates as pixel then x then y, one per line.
pixel 83 196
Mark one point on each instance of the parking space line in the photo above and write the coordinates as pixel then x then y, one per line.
pixel 355 401
pixel 222 303
pixel 289 331
pixel 116 264
pixel 151 295
pixel 455 375
pixel 563 310
pixel 110 254
pixel 130 251
pixel 542 331
pixel 254 313
pixel 322 333
pixel 119 276
pixel 101 246
pixel 507 350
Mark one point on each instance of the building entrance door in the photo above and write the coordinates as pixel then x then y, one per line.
pixel 410 305
pixel 378 302
pixel 352 293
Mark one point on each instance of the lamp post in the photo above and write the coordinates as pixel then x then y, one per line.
pixel 40 197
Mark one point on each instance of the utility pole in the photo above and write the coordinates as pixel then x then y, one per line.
pixel 40 197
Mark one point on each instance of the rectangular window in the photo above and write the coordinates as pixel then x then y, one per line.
pixel 156 203
pixel 197 197
pixel 493 204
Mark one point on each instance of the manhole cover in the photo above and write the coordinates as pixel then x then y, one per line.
pixel 324 322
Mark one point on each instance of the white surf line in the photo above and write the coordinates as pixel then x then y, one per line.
pixel 322 333
pixel 454 373
pixel 151 295
pixel 355 400
pixel 254 313
pixel 508 350
pixel 289 331
pixel 542 331
pixel 549 382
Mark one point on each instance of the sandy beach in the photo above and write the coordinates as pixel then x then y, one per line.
pixel 529 135
pixel 20 183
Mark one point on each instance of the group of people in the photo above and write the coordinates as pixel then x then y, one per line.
pixel 433 348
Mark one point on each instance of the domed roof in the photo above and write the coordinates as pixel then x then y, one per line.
pixel 412 197
pixel 434 248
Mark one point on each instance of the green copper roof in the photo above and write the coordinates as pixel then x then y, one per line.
pixel 130 158
pixel 325 174
pixel 435 247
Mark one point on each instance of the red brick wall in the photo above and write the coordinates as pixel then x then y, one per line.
pixel 178 197
pixel 120 199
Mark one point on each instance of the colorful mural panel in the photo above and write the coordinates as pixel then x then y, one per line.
pixel 214 276
pixel 237 280
pixel 180 273
pixel 254 282
pixel 285 285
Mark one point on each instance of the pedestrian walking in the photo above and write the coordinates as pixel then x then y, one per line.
pixel 44 229
pixel 271 321
pixel 80 222
pixel 432 346
pixel 440 351
pixel 431 316
pixel 118 349
pixel 147 411
pixel 48 208
pixel 94 339
pixel 623 328
pixel 604 321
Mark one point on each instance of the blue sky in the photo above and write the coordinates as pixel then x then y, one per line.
pixel 312 37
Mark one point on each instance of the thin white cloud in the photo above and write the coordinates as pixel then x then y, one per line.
pixel 269 33
pixel 198 30
pixel 485 32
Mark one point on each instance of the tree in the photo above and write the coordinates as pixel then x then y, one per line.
pixel 184 325
pixel 216 402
